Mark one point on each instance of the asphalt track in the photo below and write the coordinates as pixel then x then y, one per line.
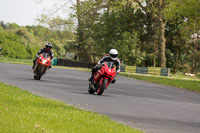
pixel 147 106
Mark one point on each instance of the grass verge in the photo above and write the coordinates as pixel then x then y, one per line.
pixel 16 61
pixel 30 62
pixel 188 84
pixel 22 112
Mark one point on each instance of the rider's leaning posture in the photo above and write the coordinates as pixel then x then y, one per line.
pixel 47 49
pixel 112 56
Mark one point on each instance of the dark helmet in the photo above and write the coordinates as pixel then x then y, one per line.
pixel 48 45
pixel 113 54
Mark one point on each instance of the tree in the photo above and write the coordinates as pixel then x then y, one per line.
pixel 188 11
pixel 162 39
pixel 147 23
pixel 56 23
pixel 11 45
pixel 60 32
pixel 87 15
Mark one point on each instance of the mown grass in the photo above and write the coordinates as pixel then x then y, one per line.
pixel 180 75
pixel 23 112
pixel 74 68
pixel 30 62
pixel 189 84
pixel 16 61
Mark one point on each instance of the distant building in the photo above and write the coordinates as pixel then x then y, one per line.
pixel 71 56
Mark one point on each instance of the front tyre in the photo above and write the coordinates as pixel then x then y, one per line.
pixel 38 77
pixel 101 89
pixel 38 72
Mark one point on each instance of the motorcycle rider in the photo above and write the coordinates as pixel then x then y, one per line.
pixel 112 56
pixel 46 49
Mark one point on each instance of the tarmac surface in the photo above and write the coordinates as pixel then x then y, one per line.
pixel 150 107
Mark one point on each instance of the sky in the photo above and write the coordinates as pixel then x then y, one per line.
pixel 25 12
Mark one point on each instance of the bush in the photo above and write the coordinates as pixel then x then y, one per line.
pixel 11 46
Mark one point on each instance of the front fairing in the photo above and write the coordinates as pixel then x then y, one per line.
pixel 44 60
pixel 107 72
pixel 98 75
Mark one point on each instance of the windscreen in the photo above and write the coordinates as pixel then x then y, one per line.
pixel 110 64
pixel 45 55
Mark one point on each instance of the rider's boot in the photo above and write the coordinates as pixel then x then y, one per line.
pixel 91 78
pixel 33 64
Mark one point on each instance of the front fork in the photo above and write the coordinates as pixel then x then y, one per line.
pixel 102 80
pixel 95 86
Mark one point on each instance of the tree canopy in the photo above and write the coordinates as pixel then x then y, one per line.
pixel 161 33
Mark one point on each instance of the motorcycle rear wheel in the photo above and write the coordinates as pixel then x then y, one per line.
pixel 101 89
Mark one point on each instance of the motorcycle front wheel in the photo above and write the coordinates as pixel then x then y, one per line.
pixel 37 77
pixel 101 89
pixel 38 72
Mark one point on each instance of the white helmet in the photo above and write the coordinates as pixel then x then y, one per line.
pixel 113 54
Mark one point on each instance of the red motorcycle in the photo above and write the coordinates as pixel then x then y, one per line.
pixel 42 64
pixel 102 78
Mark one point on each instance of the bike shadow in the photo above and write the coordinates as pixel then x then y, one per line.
pixel 86 93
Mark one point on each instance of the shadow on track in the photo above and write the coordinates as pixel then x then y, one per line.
pixel 86 93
